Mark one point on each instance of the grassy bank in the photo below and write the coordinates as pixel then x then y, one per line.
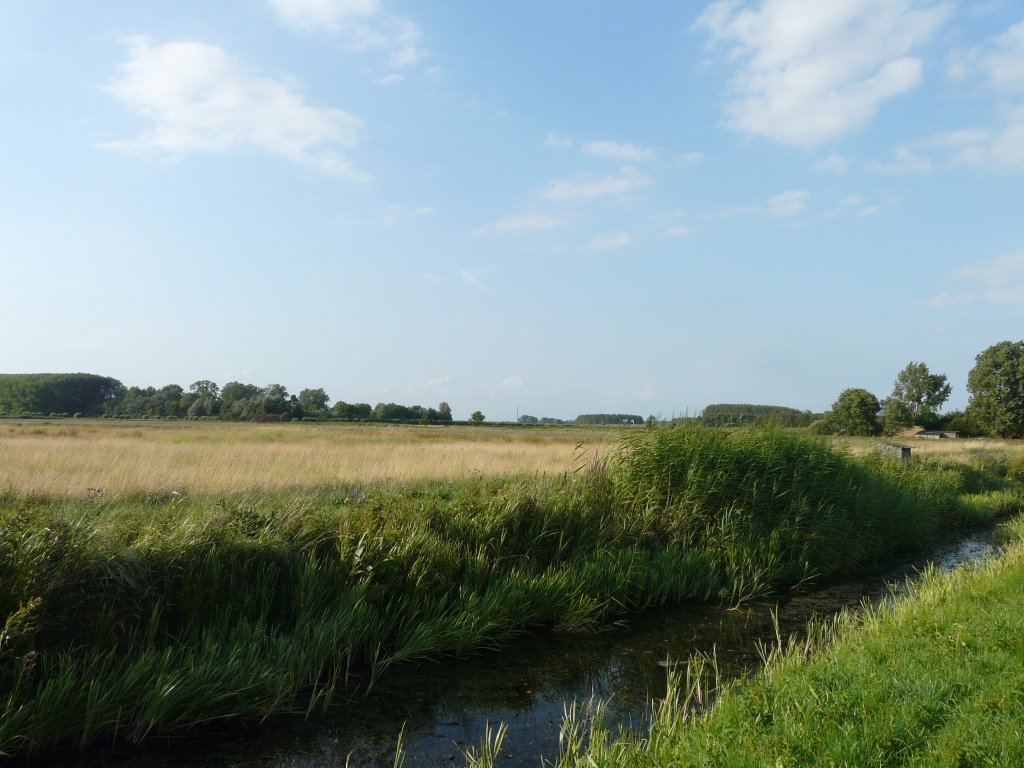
pixel 934 679
pixel 126 616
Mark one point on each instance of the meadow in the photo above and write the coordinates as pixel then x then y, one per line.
pixel 158 605
pixel 68 457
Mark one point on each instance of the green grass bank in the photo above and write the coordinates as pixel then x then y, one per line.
pixel 933 679
pixel 132 616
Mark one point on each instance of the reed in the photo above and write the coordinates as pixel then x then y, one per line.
pixel 134 614
pixel 930 679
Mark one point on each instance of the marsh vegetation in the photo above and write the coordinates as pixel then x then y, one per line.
pixel 148 610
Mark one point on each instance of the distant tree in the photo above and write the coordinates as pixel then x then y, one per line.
pixel 917 397
pixel 524 419
pixel 996 384
pixel 204 388
pixel 855 412
pixel 476 418
pixel 314 401
pixel 444 411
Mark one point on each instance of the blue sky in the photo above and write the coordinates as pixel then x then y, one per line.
pixel 545 208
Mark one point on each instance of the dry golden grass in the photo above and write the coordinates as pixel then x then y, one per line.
pixel 69 458
pixel 965 449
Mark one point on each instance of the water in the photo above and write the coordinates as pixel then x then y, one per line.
pixel 443 708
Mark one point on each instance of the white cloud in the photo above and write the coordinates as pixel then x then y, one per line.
pixel 330 15
pixel 199 99
pixel 998 281
pixel 837 164
pixel 689 159
pixel 554 141
pixel 513 382
pixel 788 203
pixel 677 231
pixel 629 153
pixel 391 79
pixel 432 277
pixel 519 224
pixel 1000 60
pixel 475 278
pixel 870 210
pixel 610 242
pixel 359 23
pixel 627 181
pixel 811 72
pixel 906 160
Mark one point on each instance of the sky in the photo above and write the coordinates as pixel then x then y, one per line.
pixel 544 208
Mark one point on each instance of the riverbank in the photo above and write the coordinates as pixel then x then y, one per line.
pixel 150 614
pixel 933 679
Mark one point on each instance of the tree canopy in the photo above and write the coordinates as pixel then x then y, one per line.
pixel 855 412
pixel 917 397
pixel 996 384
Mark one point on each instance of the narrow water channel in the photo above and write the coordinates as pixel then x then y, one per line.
pixel 442 708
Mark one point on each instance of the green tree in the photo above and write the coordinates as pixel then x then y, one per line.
pixel 476 418
pixel 444 412
pixel 314 401
pixel 855 413
pixel 996 384
pixel 917 396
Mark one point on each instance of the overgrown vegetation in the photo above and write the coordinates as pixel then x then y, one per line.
pixel 932 679
pixel 133 615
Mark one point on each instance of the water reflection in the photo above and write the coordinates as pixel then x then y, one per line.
pixel 443 708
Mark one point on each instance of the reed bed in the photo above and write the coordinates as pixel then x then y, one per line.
pixel 152 612
pixel 931 679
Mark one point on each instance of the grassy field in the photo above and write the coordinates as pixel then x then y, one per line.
pixel 933 679
pixel 141 611
pixel 69 457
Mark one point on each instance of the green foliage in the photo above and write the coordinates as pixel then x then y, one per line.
pixel 57 393
pixel 932 679
pixel 738 415
pixel 855 412
pixel 476 418
pixel 996 384
pixel 917 397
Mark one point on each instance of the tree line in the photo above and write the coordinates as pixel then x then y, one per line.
pixel 996 406
pixel 86 394
pixel 738 415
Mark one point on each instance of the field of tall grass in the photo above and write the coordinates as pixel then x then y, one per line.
pixel 151 611
pixel 70 457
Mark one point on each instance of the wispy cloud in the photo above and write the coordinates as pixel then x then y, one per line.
pixel 519 224
pixel 554 141
pixel 677 231
pixel 689 159
pixel 475 278
pixel 197 98
pixel 432 277
pixel 515 381
pixel 998 281
pixel 626 182
pixel 361 24
pixel 629 153
pixel 906 160
pixel 837 164
pixel 810 72
pixel 611 242
pixel 788 203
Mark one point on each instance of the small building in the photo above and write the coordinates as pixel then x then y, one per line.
pixel 937 434
pixel 894 450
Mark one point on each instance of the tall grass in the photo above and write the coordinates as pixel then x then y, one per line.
pixel 932 679
pixel 125 616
